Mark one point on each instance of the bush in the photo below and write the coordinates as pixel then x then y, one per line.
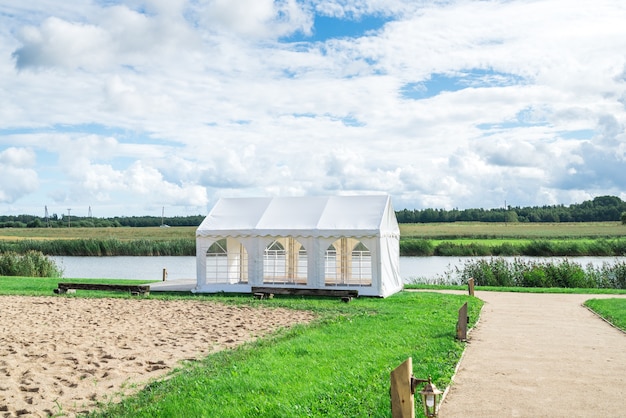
pixel 416 247
pixel 564 273
pixel 31 264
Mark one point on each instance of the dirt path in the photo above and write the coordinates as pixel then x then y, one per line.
pixel 540 355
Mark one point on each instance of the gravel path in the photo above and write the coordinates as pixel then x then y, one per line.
pixel 540 355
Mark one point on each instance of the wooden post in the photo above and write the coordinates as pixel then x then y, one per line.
pixel 461 325
pixel 470 285
pixel 164 274
pixel 402 400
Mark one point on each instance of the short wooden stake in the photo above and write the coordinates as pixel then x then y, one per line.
pixel 470 285
pixel 164 274
pixel 461 325
pixel 402 400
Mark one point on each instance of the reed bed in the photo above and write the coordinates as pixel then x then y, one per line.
pixel 600 247
pixel 567 274
pixel 103 247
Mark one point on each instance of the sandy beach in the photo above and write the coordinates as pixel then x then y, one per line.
pixel 66 355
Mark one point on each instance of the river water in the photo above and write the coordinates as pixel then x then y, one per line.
pixel 422 269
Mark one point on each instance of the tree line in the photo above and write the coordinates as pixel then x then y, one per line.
pixel 65 221
pixel 602 208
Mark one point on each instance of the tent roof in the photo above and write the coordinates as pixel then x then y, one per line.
pixel 301 216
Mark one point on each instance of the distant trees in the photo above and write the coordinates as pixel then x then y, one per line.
pixel 30 221
pixel 602 208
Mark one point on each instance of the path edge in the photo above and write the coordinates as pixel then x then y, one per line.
pixel 458 364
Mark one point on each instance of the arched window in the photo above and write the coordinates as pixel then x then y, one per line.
pixel 226 262
pixel 285 262
pixel 361 265
pixel 348 262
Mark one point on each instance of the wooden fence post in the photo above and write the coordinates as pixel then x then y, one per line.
pixel 164 274
pixel 402 399
pixel 470 285
pixel 461 325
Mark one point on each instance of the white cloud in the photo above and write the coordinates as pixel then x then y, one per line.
pixel 258 18
pixel 17 174
pixel 181 100
pixel 60 43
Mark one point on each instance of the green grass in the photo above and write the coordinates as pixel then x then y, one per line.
pixel 445 239
pixel 527 230
pixel 613 310
pixel 338 366
pixel 433 231
pixel 44 286
pixel 122 233
pixel 566 290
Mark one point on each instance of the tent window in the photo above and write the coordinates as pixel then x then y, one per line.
pixel 348 262
pixel 285 262
pixel 226 262
pixel 361 265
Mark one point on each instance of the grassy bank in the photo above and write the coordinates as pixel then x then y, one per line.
pixel 103 247
pixel 336 366
pixel 518 272
pixel 451 239
pixel 502 247
pixel 612 310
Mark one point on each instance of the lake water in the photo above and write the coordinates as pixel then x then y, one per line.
pixel 151 268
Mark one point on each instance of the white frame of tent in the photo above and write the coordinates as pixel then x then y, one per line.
pixel 330 243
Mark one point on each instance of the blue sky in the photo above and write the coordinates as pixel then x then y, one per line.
pixel 128 107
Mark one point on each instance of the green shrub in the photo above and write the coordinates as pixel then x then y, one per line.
pixel 416 247
pixel 31 264
pixel 539 248
pixel 563 273
pixel 535 277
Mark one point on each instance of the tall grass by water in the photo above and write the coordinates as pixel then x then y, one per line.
pixel 543 248
pixel 103 247
pixel 499 272
pixel 31 264
pixel 449 239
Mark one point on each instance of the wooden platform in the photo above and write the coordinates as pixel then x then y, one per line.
pixel 133 289
pixel 340 293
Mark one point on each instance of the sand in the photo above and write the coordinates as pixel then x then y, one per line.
pixel 64 355
pixel 540 355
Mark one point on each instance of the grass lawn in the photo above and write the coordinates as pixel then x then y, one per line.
pixel 613 310
pixel 339 365
pixel 519 289
pixel 440 231
pixel 529 230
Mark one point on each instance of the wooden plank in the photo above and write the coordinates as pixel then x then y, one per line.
pixel 461 325
pixel 306 292
pixel 402 400
pixel 133 289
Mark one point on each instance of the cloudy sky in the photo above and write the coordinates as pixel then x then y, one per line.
pixel 127 107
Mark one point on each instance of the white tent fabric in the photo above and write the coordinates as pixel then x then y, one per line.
pixel 343 242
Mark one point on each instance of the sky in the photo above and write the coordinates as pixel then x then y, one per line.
pixel 144 107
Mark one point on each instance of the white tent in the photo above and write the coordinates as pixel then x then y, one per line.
pixel 340 242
